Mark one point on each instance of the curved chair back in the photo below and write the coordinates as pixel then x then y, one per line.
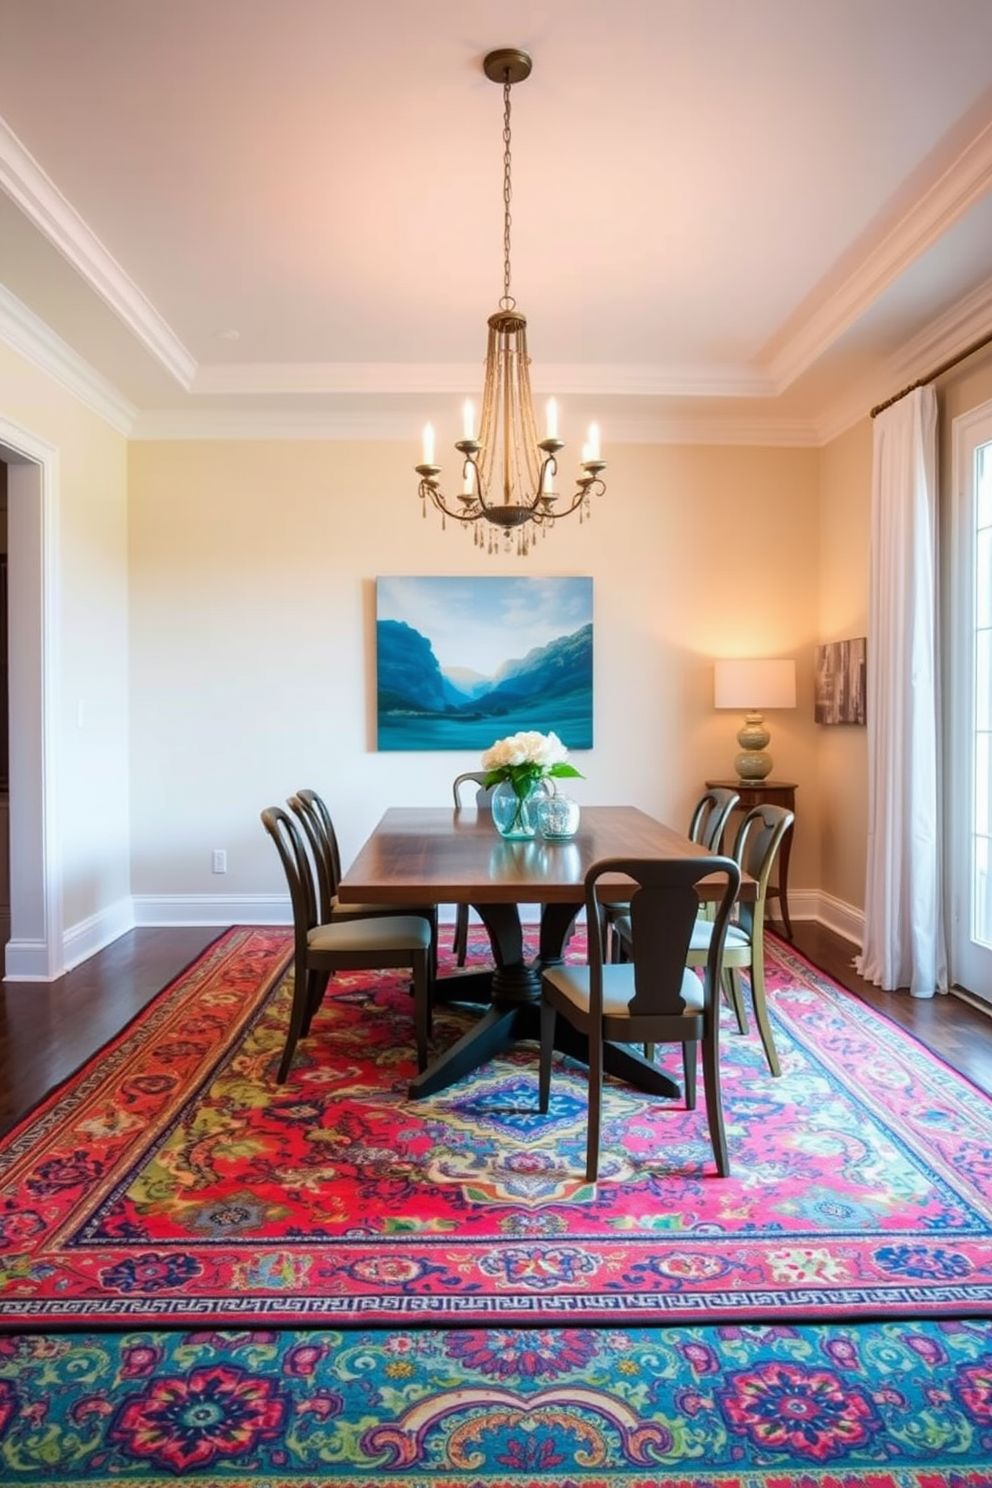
pixel 483 795
pixel 756 846
pixel 313 813
pixel 710 816
pixel 286 835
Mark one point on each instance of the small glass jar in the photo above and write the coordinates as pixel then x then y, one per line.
pixel 557 817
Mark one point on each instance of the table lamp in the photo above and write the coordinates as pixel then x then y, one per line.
pixel 751 686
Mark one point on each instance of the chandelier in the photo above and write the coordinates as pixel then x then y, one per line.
pixel 509 476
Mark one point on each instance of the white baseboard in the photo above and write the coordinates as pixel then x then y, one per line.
pixel 212 909
pixel 27 961
pixel 843 919
pixel 274 909
pixel 252 909
pixel 84 939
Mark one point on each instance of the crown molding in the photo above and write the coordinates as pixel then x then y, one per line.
pixel 28 335
pixel 955 190
pixel 48 210
pixel 269 379
pixel 275 424
pixel 272 423
pixel 755 431
pixel 943 339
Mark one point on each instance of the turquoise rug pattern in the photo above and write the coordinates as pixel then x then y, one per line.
pixel 886 1405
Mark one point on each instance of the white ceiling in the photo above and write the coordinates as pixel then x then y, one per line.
pixel 730 220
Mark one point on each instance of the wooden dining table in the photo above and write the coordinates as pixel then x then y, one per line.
pixel 454 855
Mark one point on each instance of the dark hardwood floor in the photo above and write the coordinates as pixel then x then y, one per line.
pixel 959 1033
pixel 47 1030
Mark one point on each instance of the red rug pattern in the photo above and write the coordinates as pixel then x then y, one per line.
pixel 173 1179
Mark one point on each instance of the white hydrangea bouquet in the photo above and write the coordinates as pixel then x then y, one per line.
pixel 525 760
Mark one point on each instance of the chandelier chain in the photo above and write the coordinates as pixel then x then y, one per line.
pixel 509 475
pixel 507 301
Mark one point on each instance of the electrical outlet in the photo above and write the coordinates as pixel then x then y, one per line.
pixel 220 860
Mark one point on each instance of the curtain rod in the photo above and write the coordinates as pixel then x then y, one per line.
pixel 932 376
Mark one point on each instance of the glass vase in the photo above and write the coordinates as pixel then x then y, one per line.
pixel 557 817
pixel 513 815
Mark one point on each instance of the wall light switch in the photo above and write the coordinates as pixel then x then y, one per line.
pixel 220 860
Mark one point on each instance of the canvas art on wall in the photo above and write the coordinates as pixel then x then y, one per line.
pixel 461 662
pixel 840 682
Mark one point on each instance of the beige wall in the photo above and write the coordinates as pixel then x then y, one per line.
pixel 252 569
pixel 215 620
pixel 842 759
pixel 89 646
pixel 213 643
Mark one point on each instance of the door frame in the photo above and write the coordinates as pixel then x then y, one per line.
pixel 969 431
pixel 34 951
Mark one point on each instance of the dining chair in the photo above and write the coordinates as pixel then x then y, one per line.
pixel 483 796
pixel 708 824
pixel 710 816
pixel 756 847
pixel 371 943
pixel 315 817
pixel 652 998
pixel 706 827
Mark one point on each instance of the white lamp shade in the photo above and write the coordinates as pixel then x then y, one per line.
pixel 754 685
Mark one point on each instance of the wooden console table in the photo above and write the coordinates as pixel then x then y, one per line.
pixel 769 793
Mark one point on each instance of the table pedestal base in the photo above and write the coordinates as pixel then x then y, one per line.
pixel 512 990
pixel 501 1026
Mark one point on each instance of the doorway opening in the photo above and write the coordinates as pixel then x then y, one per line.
pixel 33 949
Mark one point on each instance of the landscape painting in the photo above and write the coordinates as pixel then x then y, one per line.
pixel 461 662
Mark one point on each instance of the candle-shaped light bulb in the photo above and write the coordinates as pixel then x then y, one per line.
pixel 593 445
pixel 551 415
pixel 468 419
pixel 428 444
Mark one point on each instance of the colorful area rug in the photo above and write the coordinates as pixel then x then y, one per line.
pixel 172 1180
pixel 893 1405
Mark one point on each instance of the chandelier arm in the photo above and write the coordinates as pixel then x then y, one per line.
pixel 587 487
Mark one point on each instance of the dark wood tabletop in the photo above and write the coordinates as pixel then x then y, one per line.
pixel 452 855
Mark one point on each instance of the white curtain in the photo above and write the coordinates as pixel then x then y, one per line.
pixel 904 932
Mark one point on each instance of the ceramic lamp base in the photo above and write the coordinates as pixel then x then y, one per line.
pixel 753 763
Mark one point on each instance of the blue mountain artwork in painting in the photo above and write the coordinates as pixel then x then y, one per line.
pixel 464 661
